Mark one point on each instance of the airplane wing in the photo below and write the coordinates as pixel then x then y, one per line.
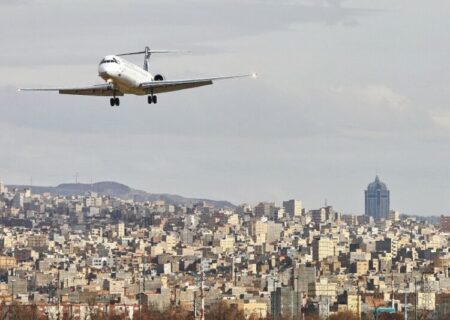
pixel 95 90
pixel 155 87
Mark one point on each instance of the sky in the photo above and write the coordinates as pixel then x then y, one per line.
pixel 345 90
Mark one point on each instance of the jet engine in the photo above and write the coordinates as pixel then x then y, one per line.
pixel 159 77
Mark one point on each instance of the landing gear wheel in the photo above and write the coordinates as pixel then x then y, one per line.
pixel 149 100
pixel 112 102
pixel 117 101
pixel 155 99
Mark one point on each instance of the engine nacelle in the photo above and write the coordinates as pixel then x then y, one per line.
pixel 159 77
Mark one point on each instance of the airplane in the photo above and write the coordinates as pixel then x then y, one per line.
pixel 123 77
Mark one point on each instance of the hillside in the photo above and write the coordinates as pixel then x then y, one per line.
pixel 121 191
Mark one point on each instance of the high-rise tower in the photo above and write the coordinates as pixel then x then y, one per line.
pixel 377 200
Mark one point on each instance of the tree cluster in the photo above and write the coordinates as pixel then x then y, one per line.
pixel 218 311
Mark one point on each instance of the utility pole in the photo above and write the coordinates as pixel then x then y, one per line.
pixel 375 306
pixel 358 299
pixel 56 293
pixel 301 303
pixel 392 287
pixel 328 307
pixel 13 298
pixel 140 292
pixel 202 317
pixel 415 298
pixel 274 298
pixel 139 303
pixel 298 307
pixel 12 291
pixel 406 306
pixel 292 302
pixel 233 272
pixel 143 286
pixel 195 305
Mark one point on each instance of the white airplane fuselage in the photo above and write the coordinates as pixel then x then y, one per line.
pixel 124 75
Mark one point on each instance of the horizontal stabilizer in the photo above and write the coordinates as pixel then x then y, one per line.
pixel 150 51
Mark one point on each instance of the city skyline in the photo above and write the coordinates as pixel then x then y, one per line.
pixel 293 206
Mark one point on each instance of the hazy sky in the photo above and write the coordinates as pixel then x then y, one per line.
pixel 346 89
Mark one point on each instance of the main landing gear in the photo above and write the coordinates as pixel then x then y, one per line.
pixel 114 102
pixel 152 99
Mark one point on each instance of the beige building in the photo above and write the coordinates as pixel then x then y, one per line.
pixel 226 243
pixel 426 301
pixel 253 308
pixel 3 189
pixel 353 305
pixel 7 262
pixel 7 241
pixel 442 262
pixel 258 231
pixel 322 248
pixel 233 219
pixel 436 241
pixel 115 286
pixel 171 241
pixel 323 288
pixel 120 230
pixel 361 267
pixel 349 220
pixel 394 216
pixel 156 250
pixel 37 241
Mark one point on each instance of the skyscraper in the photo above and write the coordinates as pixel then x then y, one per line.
pixel 377 200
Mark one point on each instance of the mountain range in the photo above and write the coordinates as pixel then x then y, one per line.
pixel 114 189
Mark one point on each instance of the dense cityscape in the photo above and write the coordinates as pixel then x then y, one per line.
pixel 79 256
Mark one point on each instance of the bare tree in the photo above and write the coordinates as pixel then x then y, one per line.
pixel 347 315
pixel 223 311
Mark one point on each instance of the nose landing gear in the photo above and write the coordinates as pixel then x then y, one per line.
pixel 152 99
pixel 114 102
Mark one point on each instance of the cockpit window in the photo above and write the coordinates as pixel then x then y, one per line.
pixel 113 60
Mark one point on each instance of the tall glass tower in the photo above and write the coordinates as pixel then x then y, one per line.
pixel 377 200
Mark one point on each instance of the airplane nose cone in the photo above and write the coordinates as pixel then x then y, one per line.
pixel 108 71
pixel 102 72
